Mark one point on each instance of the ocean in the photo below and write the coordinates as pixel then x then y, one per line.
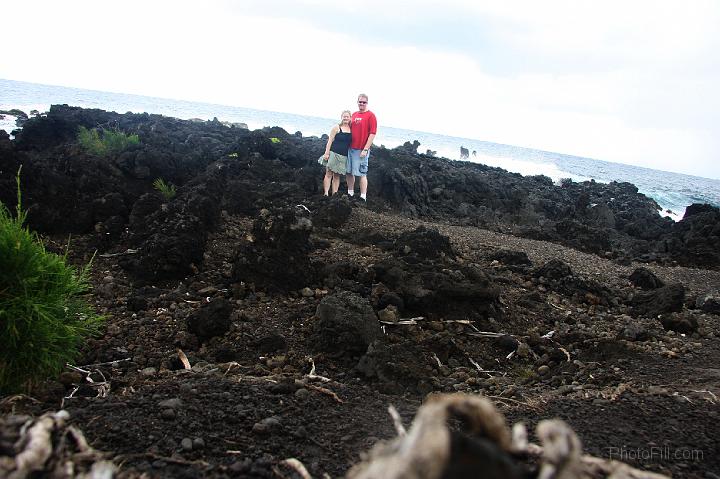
pixel 672 191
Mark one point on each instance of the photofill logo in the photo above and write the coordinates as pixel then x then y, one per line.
pixel 654 453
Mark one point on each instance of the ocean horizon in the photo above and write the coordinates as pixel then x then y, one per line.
pixel 672 191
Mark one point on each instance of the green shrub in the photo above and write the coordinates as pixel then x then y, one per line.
pixel 111 141
pixel 275 140
pixel 44 316
pixel 166 189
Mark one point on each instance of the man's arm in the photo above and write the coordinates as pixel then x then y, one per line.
pixel 369 141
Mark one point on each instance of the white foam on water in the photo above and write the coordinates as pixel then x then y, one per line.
pixel 513 165
pixel 7 123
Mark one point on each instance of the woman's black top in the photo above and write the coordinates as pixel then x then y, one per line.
pixel 341 143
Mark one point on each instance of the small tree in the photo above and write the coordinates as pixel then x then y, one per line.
pixel 111 141
pixel 44 316
pixel 166 189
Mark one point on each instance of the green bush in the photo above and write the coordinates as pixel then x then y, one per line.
pixel 166 189
pixel 44 316
pixel 111 141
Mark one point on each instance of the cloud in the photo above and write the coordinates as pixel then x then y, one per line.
pixel 622 81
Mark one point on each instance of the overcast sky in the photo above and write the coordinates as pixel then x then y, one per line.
pixel 630 81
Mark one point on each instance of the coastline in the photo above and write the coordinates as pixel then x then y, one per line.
pixel 671 190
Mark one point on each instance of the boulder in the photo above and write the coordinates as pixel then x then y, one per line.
pixel 663 300
pixel 645 279
pixel 397 367
pixel 346 324
pixel 680 323
pixel 553 270
pixel 511 258
pixel 276 257
pixel 333 212
pixel 424 243
pixel 211 320
pixel 708 303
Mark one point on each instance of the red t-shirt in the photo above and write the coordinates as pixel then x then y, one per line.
pixel 362 126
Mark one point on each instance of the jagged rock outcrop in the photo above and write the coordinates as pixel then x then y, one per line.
pixel 70 191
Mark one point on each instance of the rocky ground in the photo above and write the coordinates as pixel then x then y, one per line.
pixel 303 318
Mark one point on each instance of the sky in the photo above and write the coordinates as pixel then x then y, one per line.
pixel 634 82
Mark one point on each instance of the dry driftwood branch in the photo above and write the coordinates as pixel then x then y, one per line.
pixel 112 255
pixel 312 375
pixel 107 363
pixel 47 444
pixel 397 421
pixel 485 334
pixel 707 391
pixel 325 391
pixel 16 398
pixel 400 322
pixel 562 458
pixel 183 359
pixel 38 445
pixel 100 470
pixel 437 360
pixel 296 466
pixel 567 354
pixel 233 363
pixel 548 335
pixel 75 368
pixel 424 452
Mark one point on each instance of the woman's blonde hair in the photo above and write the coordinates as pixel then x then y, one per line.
pixel 341 115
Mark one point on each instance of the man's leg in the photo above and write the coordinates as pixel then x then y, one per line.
pixel 351 184
pixel 364 163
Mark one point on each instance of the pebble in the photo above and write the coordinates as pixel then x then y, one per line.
pixel 543 370
pixel 302 393
pixel 147 372
pixel 435 325
pixel 508 392
pixel 210 290
pixel 168 414
pixel 307 293
pixel 186 444
pixel 266 426
pixel 658 390
pixel 565 389
pixel 460 376
pixel 260 428
pixel 198 443
pixel 173 403
pixel 388 314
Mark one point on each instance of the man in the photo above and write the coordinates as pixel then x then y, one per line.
pixel 363 125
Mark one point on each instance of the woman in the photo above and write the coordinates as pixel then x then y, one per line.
pixel 336 153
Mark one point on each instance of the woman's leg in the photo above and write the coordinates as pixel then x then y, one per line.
pixel 326 181
pixel 335 182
